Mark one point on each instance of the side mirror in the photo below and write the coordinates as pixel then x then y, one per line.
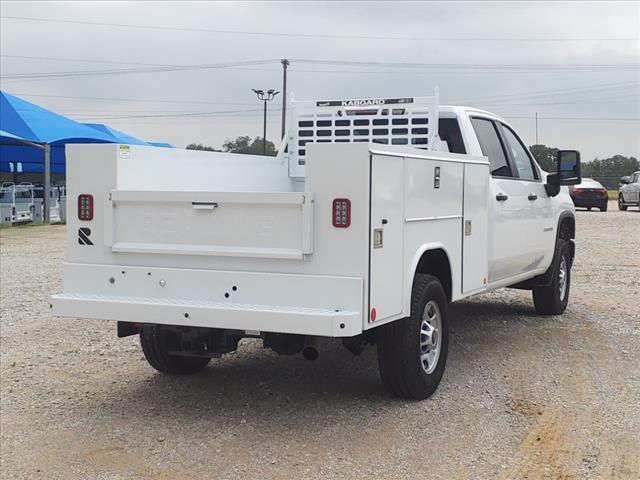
pixel 624 180
pixel 568 172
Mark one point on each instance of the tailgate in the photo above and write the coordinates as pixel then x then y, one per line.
pixel 236 224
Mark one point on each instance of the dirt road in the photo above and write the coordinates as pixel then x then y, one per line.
pixel 523 397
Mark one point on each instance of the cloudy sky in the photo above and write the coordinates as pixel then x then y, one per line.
pixel 176 71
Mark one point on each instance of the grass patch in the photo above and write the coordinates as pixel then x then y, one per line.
pixel 613 194
pixel 28 225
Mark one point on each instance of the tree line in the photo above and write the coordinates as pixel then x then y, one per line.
pixel 616 166
pixel 242 144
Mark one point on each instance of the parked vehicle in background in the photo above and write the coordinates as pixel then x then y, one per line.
pixel 629 195
pixel 57 203
pixel 589 194
pixel 17 202
pixel 348 233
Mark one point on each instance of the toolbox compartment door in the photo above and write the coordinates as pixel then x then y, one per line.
pixel 236 224
pixel 386 236
pixel 475 228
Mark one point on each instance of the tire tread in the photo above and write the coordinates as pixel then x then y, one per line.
pixel 400 371
pixel 154 347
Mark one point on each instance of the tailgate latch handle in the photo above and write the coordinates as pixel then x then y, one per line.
pixel 204 205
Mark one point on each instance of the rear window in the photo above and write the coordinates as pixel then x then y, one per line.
pixel 589 183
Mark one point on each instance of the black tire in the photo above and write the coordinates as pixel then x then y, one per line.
pixel 399 344
pixel 621 205
pixel 549 300
pixel 604 208
pixel 588 209
pixel 157 342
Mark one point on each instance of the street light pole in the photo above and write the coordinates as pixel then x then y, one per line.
pixel 264 130
pixel 265 97
pixel 285 64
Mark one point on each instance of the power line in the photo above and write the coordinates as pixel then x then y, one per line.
pixel 171 68
pixel 183 114
pixel 116 99
pixel 318 35
pixel 448 69
pixel 486 99
pixel 86 60
pixel 296 70
pixel 606 119
pixel 505 66
pixel 558 91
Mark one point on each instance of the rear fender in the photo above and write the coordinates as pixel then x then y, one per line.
pixel 413 265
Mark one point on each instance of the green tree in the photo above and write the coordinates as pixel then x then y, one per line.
pixel 244 144
pixel 199 146
pixel 616 166
pixel 545 156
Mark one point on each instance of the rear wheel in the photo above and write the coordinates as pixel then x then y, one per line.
pixel 553 299
pixel 603 208
pixel 157 342
pixel 412 352
pixel 621 205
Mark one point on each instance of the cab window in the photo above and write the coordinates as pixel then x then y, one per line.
pixel 521 158
pixel 449 131
pixel 491 146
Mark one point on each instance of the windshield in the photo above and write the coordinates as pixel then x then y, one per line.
pixel 24 194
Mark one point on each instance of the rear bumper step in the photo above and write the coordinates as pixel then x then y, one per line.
pixel 326 306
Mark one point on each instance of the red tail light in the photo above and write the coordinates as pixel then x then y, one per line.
pixel 85 206
pixel 576 191
pixel 341 214
pixel 604 193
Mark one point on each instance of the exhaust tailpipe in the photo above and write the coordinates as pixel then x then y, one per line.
pixel 310 350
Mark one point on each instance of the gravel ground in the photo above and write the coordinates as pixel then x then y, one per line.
pixel 523 396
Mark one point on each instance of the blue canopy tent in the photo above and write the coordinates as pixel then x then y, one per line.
pixel 161 144
pixel 27 130
pixel 116 135
pixel 25 125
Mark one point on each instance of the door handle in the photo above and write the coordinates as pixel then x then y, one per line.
pixel 204 205
pixel 532 197
pixel 501 197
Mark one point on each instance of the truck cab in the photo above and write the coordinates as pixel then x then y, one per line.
pixel 375 215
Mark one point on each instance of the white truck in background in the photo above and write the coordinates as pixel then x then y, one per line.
pixel 376 214
pixel 17 203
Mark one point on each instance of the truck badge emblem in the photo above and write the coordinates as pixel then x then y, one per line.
pixel 83 236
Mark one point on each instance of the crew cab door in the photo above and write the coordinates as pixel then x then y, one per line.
pixel 511 251
pixel 540 228
pixel 632 190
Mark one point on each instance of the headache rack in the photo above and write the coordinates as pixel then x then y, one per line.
pixel 410 121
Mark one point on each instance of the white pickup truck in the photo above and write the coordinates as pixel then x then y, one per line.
pixel 375 215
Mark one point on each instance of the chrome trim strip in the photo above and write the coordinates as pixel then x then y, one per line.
pixel 425 219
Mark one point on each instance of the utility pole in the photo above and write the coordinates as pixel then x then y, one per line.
pixel 46 192
pixel 537 128
pixel 265 97
pixel 285 64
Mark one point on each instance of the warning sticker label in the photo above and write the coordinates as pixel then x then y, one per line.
pixel 124 151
